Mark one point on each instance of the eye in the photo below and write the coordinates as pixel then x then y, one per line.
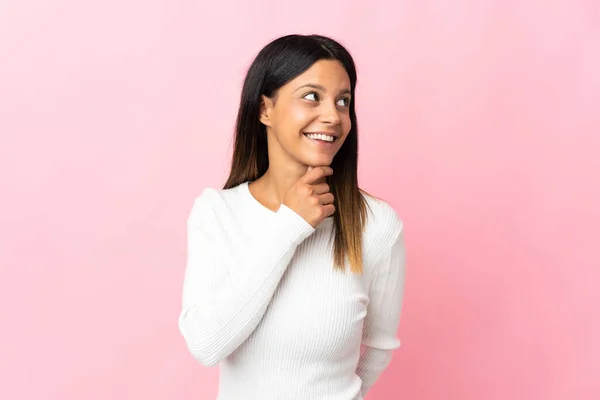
pixel 312 94
pixel 347 101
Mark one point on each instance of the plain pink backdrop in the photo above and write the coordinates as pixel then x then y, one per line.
pixel 479 122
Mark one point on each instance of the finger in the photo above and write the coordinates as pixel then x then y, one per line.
pixel 329 209
pixel 321 188
pixel 307 174
pixel 326 198
pixel 317 173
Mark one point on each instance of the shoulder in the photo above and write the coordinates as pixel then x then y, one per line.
pixel 213 201
pixel 382 219
pixel 383 234
pixel 383 229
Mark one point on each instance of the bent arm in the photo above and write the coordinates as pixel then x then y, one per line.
pixel 227 285
pixel 383 314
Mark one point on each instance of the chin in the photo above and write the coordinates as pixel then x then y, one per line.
pixel 308 156
pixel 319 161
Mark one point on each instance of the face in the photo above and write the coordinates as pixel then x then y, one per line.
pixel 309 119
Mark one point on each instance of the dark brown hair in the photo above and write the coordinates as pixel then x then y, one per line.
pixel 275 65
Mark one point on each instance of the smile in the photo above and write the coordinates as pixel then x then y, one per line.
pixel 320 136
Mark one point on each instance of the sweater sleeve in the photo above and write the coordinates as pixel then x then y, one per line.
pixel 383 313
pixel 229 284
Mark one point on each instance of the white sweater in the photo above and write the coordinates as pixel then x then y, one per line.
pixel 262 299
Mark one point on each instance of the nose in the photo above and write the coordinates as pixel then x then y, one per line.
pixel 330 114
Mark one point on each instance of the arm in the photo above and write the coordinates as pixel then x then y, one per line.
pixel 229 284
pixel 383 314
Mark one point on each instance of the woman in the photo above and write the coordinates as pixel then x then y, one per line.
pixel 294 277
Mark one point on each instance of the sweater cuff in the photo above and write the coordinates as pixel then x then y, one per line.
pixel 292 225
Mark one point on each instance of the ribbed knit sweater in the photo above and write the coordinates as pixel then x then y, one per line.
pixel 262 299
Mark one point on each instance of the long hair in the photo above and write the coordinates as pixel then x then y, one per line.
pixel 275 65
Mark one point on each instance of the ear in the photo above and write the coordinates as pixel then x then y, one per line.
pixel 266 107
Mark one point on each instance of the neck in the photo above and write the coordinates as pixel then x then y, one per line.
pixel 283 172
pixel 278 179
pixel 270 189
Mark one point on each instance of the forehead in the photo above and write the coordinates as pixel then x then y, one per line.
pixel 328 73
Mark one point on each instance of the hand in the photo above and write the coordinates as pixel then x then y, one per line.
pixel 311 200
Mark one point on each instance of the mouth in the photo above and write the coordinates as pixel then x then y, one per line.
pixel 325 137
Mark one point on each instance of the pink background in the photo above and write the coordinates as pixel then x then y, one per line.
pixel 480 123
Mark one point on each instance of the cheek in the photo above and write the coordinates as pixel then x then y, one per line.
pixel 346 123
pixel 299 116
pixel 291 123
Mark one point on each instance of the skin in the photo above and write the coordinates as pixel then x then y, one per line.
pixel 295 109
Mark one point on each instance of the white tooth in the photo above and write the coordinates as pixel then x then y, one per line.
pixel 319 136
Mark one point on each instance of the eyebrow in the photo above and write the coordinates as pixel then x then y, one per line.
pixel 321 88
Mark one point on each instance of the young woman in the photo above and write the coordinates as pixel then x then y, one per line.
pixel 295 276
